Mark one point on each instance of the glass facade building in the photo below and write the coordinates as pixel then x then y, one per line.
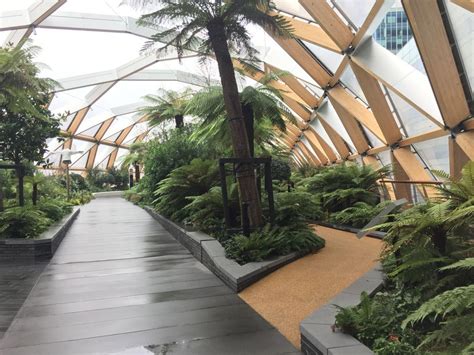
pixel 394 31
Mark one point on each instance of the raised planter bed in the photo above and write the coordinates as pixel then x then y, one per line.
pixel 317 334
pixel 211 253
pixel 42 247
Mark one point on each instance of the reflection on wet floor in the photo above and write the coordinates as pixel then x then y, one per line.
pixel 17 278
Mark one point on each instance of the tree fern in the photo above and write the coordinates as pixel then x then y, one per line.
pixel 456 301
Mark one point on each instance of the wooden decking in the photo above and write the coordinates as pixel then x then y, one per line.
pixel 120 284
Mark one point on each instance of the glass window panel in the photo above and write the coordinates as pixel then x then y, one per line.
pixel 462 22
pixel 329 58
pixel 413 121
pixel 349 79
pixel 435 153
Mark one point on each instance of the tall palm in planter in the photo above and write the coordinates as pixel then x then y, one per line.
pixel 217 27
pixel 167 105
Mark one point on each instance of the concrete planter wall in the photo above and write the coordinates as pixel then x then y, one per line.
pixel 211 253
pixel 317 334
pixel 42 247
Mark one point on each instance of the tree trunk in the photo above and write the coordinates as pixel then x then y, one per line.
pixel 439 240
pixel 1 200
pixel 137 172
pixel 21 191
pixel 240 143
pixel 179 121
pixel 247 112
pixel 34 194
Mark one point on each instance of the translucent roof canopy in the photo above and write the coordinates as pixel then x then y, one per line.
pixel 353 97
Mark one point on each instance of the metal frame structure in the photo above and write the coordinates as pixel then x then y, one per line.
pixel 334 123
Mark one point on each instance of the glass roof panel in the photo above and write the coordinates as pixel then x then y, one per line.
pixel 120 154
pixel 70 100
pixel 316 124
pixel 70 53
pixel 357 11
pixel 103 7
pixel 292 7
pixel 102 152
pixel 16 5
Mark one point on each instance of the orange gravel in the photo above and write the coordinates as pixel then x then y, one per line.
pixel 288 295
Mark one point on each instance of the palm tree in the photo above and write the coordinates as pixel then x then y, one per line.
pixel 136 157
pixel 262 109
pixel 218 27
pixel 167 105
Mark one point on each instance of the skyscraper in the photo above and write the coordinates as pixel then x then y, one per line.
pixel 394 31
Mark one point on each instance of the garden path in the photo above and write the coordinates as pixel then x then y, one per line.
pixel 290 294
pixel 119 283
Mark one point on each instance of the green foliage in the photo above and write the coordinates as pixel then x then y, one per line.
pixel 428 248
pixel 341 186
pixel 272 242
pixel 112 179
pixel 262 103
pixel 22 222
pixel 281 170
pixel 393 346
pixel 167 105
pixel 55 209
pixel 170 152
pixel 295 208
pixel 358 215
pixel 206 211
pixel 188 180
pixel 25 121
pixel 379 317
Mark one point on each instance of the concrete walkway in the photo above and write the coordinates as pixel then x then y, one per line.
pixel 120 284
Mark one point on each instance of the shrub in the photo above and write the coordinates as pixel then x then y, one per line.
pixel 296 207
pixel 341 186
pixel 22 222
pixel 166 154
pixel 52 209
pixel 281 170
pixel 194 179
pixel 270 242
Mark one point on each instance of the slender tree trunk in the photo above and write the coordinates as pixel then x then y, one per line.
pixel 247 112
pixel 246 174
pixel 34 194
pixel 20 175
pixel 1 200
pixel 137 172
pixel 179 121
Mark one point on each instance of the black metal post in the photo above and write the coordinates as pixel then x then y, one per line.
pixel 21 190
pixel 269 189
pixel 225 198
pixel 245 219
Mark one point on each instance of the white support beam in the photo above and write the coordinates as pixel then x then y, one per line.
pixel 22 23
pixel 409 83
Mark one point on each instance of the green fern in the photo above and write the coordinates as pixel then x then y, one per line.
pixel 456 301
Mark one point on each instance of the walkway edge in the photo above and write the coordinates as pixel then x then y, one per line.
pixel 317 333
pixel 211 253
pixel 45 245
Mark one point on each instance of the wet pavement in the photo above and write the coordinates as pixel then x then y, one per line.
pixel 120 284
